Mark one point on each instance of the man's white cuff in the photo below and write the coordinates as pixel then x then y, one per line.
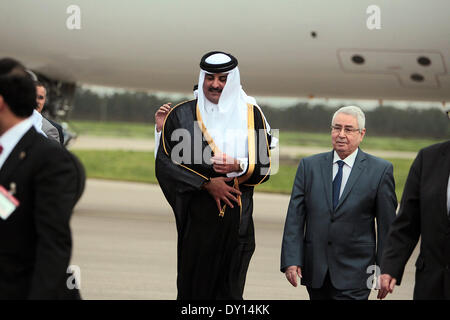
pixel 237 174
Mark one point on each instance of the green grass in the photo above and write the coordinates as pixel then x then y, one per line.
pixel 113 129
pixel 368 143
pixel 119 165
pixel 283 180
pixel 139 130
pixel 401 170
pixel 140 167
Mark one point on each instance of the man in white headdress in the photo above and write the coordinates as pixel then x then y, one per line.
pixel 213 151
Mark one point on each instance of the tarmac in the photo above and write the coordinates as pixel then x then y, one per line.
pixel 124 237
pixel 124 242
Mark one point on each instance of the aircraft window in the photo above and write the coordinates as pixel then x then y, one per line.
pixel 417 77
pixel 358 59
pixel 424 61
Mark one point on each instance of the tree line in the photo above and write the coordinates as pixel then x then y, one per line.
pixel 381 121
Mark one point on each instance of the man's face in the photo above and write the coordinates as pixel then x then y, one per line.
pixel 213 86
pixel 346 143
pixel 40 98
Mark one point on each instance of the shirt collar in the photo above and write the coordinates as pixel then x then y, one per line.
pixel 350 160
pixel 36 118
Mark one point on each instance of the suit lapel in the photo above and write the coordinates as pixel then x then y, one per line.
pixel 327 177
pixel 443 162
pixel 358 168
pixel 18 154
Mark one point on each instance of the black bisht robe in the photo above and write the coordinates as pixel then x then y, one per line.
pixel 213 251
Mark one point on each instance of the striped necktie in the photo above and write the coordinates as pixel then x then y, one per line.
pixel 337 184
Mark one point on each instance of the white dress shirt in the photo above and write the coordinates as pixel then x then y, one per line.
pixel 230 175
pixel 36 119
pixel 157 137
pixel 346 169
pixel 11 137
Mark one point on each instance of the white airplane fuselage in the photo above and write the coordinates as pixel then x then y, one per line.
pixel 362 49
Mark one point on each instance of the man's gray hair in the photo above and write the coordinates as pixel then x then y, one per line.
pixel 352 111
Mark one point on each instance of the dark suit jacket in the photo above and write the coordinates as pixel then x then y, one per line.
pixel 60 130
pixel 35 240
pixel 343 241
pixel 423 212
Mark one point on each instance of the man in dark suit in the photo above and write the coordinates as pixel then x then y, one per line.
pixel 52 129
pixel 424 212
pixel 329 236
pixel 46 181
